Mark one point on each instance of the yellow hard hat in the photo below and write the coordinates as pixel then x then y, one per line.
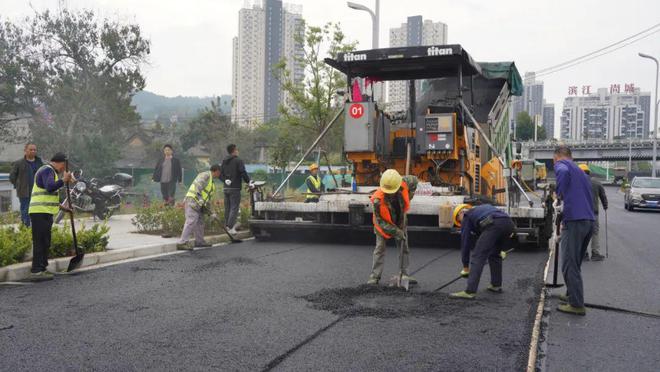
pixel 584 167
pixel 458 210
pixel 390 181
pixel 313 166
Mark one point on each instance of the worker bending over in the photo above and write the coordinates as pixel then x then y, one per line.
pixel 198 203
pixel 391 202
pixel 485 231
pixel 314 185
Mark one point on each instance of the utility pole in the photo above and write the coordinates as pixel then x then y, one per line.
pixel 657 101
pixel 375 29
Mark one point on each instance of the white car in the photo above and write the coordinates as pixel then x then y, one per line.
pixel 644 192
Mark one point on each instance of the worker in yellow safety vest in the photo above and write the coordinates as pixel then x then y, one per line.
pixel 44 203
pixel 314 185
pixel 196 203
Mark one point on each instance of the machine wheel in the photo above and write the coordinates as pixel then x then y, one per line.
pixel 631 208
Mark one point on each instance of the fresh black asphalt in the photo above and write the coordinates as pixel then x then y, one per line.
pixel 280 306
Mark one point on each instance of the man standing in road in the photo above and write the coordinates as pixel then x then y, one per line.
pixel 22 177
pixel 198 202
pixel 574 189
pixel 168 173
pixel 391 203
pixel 598 192
pixel 233 174
pixel 485 233
pixel 314 185
pixel 44 203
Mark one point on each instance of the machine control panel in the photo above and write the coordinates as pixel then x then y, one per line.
pixel 439 130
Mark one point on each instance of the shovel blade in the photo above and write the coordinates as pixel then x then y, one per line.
pixel 75 262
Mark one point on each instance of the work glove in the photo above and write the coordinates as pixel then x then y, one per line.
pixel 465 272
pixel 251 185
pixel 400 234
pixel 503 255
pixel 228 182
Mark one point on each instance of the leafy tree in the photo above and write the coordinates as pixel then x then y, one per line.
pixel 80 72
pixel 525 128
pixel 312 103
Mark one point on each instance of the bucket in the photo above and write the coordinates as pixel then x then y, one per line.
pixel 445 220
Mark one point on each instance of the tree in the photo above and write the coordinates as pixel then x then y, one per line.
pixel 312 103
pixel 79 74
pixel 525 128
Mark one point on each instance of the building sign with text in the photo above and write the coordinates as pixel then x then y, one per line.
pixel 614 89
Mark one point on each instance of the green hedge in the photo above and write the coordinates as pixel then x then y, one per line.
pixel 161 219
pixel 15 243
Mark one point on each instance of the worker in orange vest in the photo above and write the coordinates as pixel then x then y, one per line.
pixel 391 202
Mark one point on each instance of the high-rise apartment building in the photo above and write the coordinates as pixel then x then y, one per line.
pixel 549 120
pixel 606 116
pixel 266 34
pixel 531 100
pixel 415 32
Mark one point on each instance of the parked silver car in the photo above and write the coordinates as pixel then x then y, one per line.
pixel 644 192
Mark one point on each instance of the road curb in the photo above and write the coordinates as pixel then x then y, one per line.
pixel 538 319
pixel 21 271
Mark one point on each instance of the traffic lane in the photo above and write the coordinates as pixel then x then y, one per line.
pixel 628 277
pixel 398 333
pixel 140 308
pixel 236 307
pixel 602 341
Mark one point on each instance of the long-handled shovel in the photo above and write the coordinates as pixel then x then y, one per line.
pixel 76 261
pixel 607 246
pixel 556 239
pixel 231 238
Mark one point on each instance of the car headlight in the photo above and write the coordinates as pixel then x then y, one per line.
pixel 636 195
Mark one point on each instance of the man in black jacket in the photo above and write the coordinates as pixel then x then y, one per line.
pixel 22 177
pixel 233 174
pixel 168 173
pixel 598 192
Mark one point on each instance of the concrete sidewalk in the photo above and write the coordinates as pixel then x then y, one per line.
pixel 124 243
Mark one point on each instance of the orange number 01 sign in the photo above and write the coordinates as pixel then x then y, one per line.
pixel 356 110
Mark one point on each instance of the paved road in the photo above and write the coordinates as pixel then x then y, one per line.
pixel 612 340
pixel 255 306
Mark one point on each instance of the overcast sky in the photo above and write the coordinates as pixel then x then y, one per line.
pixel 191 39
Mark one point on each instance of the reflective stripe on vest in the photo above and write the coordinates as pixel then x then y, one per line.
pixel 206 192
pixel 316 181
pixel 385 210
pixel 42 201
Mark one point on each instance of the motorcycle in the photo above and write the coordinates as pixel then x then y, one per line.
pixel 99 197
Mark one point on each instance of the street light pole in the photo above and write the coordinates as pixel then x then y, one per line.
pixel 657 101
pixel 375 20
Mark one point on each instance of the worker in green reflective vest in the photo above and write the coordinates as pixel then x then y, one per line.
pixel 44 203
pixel 314 185
pixel 197 203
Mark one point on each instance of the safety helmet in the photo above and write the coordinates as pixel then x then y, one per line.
pixel 458 210
pixel 584 167
pixel 313 166
pixel 390 181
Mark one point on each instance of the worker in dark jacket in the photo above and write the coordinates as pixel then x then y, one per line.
pixel 314 185
pixel 233 174
pixel 485 232
pixel 45 203
pixel 168 173
pixel 574 189
pixel 598 192
pixel 22 177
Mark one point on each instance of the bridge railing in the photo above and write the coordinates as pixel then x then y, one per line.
pixel 636 143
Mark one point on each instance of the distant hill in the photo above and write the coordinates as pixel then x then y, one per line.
pixel 151 106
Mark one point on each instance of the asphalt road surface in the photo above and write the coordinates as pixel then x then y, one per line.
pixel 263 306
pixel 614 340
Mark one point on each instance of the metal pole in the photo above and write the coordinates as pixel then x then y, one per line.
pixel 629 154
pixel 656 101
pixel 309 150
pixel 375 26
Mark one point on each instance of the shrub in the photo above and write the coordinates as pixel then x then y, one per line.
pixel 15 243
pixel 10 218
